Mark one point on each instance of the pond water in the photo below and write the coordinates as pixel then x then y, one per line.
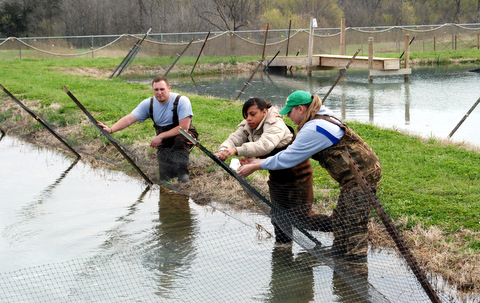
pixel 430 104
pixel 70 232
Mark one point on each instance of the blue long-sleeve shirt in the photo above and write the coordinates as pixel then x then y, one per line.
pixel 315 136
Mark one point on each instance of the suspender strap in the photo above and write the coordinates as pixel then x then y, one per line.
pixel 175 113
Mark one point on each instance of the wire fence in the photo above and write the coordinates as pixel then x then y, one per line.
pixel 248 43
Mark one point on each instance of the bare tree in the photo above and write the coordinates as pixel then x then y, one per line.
pixel 224 15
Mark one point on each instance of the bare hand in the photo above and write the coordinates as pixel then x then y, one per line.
pixel 246 170
pixel 245 161
pixel 221 155
pixel 156 142
pixel 226 153
pixel 104 127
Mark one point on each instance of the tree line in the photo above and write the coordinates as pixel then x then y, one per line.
pixel 21 18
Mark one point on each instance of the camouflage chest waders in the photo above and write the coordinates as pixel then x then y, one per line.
pixel 173 153
pixel 351 215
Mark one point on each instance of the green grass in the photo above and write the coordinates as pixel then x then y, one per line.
pixel 440 57
pixel 425 181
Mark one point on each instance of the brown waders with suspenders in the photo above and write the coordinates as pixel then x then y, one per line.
pixel 291 190
pixel 173 153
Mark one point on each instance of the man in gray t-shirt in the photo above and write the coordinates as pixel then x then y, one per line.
pixel 169 111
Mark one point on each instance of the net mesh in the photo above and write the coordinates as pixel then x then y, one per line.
pixel 345 245
pixel 179 263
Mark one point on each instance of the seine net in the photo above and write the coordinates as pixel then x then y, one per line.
pixel 345 252
pixel 182 260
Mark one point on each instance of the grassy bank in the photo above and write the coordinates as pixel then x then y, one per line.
pixel 467 56
pixel 427 184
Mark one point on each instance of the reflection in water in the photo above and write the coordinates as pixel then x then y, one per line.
pixel 343 99
pixel 292 277
pixel 407 103
pixel 172 247
pixel 119 234
pixel 31 211
pixel 371 104
pixel 350 282
pixel 358 290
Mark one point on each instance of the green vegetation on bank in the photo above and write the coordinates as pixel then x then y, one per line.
pixel 440 57
pixel 424 181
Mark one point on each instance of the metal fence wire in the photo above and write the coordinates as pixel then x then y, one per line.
pixel 248 43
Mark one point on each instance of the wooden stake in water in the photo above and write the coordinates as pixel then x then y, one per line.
pixel 178 57
pixel 200 53
pixel 113 141
pixel 35 115
pixel 249 79
pixel 463 119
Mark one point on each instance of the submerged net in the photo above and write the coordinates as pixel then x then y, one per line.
pixel 185 261
pixel 292 216
pixel 331 256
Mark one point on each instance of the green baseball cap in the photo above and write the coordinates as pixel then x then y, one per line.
pixel 298 97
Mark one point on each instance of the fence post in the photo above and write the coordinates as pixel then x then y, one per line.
pixel 434 43
pixel 310 44
pixel 453 37
pixel 407 55
pixel 342 37
pixel 288 37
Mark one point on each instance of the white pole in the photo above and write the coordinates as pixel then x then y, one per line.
pixel 313 24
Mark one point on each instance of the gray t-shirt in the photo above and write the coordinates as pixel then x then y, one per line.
pixel 163 113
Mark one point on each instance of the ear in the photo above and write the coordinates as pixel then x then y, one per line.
pixel 302 108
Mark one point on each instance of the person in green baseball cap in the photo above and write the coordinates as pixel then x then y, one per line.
pixel 327 140
pixel 299 97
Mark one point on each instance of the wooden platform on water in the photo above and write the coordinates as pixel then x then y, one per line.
pixel 380 66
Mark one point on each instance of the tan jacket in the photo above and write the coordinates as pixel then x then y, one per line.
pixel 271 133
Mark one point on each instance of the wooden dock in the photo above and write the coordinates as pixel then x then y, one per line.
pixel 377 67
